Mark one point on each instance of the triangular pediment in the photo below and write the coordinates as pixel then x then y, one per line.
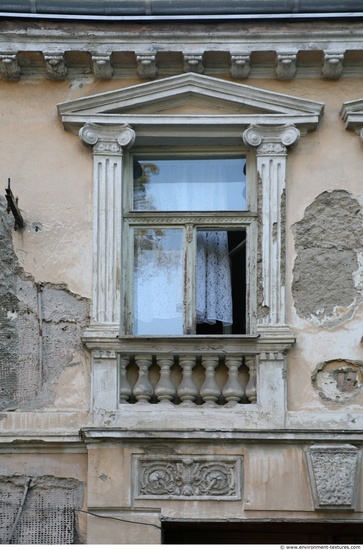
pixel 188 93
pixel 189 109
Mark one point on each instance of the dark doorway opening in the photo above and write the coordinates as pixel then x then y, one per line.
pixel 276 532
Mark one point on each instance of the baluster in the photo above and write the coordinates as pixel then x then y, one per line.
pixel 187 390
pixel 251 386
pixel 233 391
pixel 143 390
pixel 165 389
pixel 125 388
pixel 210 391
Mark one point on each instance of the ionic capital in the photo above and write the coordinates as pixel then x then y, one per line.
pixel 106 139
pixel 271 140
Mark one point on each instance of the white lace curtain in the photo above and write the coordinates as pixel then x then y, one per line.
pixel 213 285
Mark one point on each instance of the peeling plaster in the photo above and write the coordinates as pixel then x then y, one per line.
pixel 327 284
pixel 41 327
pixel 48 516
pixel 338 380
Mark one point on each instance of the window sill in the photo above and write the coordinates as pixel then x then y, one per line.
pixel 270 339
pixel 107 338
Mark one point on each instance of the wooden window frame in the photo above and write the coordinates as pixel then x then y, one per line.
pixel 189 221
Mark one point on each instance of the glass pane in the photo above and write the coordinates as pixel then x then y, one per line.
pixel 190 184
pixel 158 281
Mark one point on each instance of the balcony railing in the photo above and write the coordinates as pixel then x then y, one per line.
pixel 187 380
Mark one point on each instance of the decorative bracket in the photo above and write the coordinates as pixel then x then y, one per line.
pixel 286 66
pixel 240 66
pixel 333 66
pixel 146 66
pixel 193 63
pixel 102 66
pixel 55 65
pixel 9 68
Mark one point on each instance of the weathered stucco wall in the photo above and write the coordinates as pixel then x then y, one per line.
pixel 51 172
pixel 158 490
pixel 324 247
pixel 45 290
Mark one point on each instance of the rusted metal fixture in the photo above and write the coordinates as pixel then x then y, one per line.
pixel 13 207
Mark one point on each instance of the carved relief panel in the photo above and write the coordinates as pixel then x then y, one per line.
pixel 188 477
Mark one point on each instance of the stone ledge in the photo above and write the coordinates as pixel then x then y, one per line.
pixel 276 436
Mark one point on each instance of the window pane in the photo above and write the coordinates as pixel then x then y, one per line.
pixel 190 184
pixel 158 281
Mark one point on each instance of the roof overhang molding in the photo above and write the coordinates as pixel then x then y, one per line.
pixel 243 105
pixel 70 50
pixel 265 36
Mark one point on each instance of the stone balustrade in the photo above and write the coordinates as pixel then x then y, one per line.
pixel 188 380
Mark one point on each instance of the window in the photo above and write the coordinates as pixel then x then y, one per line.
pixel 185 243
pixel 156 123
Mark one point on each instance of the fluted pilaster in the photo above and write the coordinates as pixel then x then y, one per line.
pixel 108 144
pixel 272 143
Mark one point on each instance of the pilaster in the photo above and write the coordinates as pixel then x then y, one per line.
pixel 108 143
pixel 271 143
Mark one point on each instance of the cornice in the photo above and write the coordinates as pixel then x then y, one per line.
pixel 280 50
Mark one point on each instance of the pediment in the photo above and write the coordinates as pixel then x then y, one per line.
pixel 190 108
pixel 190 91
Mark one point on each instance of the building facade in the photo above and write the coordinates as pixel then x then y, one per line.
pixel 181 274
